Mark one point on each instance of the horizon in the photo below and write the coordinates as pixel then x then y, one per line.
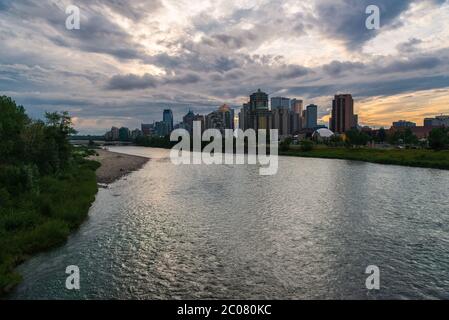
pixel 128 62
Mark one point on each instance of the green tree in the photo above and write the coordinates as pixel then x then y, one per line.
pixel 356 138
pixel 285 144
pixel 306 145
pixel 381 135
pixel 439 139
pixel 335 141
pixel 57 147
pixel 409 138
pixel 12 122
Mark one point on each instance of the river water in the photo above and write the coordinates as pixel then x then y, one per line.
pixel 210 232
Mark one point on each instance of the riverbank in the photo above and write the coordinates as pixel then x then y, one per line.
pixel 115 165
pixel 40 220
pixel 410 158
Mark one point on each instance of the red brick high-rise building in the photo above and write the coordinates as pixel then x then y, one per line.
pixel 343 118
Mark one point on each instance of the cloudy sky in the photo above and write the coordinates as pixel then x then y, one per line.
pixel 132 59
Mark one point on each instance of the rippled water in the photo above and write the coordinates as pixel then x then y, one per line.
pixel 205 232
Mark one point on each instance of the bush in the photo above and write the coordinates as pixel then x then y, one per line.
pixel 46 189
pixel 44 236
pixel 306 146
pixel 4 198
pixel 285 145
pixel 356 138
pixel 439 139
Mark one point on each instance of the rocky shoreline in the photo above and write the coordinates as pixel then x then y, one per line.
pixel 116 165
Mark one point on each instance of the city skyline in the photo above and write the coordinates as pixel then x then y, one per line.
pixel 129 62
pixel 285 114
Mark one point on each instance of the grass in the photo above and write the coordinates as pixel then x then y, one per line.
pixel 38 221
pixel 403 157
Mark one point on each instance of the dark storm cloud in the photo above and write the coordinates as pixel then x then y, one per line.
pixel 188 78
pixel 236 41
pixel 410 65
pixel 131 82
pixel 345 19
pixel 409 46
pixel 5 4
pixel 135 82
pixel 338 67
pixel 135 9
pixel 292 71
pixel 373 88
pixel 98 34
pixel 392 87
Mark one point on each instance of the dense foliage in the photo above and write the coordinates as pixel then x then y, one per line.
pixel 45 188
pixel 439 139
pixel 356 138
pixel 411 157
pixel 155 142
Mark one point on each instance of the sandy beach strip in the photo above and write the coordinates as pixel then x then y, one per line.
pixel 116 165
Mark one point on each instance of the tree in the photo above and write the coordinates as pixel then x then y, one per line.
pixel 285 145
pixel 58 128
pixel 306 145
pixel 335 141
pixel 394 137
pixel 382 135
pixel 409 137
pixel 439 139
pixel 356 138
pixel 13 120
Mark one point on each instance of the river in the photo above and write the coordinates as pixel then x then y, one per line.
pixel 224 231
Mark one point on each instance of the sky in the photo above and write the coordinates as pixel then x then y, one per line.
pixel 131 59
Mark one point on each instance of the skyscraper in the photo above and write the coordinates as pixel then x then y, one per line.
pixel 256 114
pixel 311 116
pixel 258 101
pixel 168 119
pixel 244 116
pixel 147 129
pixel 297 106
pixel 221 119
pixel 296 115
pixel 188 121
pixel 343 118
pixel 281 120
pixel 115 133
pixel 280 103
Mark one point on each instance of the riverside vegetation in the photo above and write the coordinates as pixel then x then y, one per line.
pixel 46 186
pixel 435 155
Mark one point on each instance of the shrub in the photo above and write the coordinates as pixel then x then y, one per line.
pixel 439 139
pixel 44 236
pixel 306 146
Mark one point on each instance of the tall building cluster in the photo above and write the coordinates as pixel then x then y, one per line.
pixel 287 115
pixel 261 112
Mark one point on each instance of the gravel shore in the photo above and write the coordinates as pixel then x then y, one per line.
pixel 116 165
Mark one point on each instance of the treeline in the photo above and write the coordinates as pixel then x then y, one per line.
pixel 46 188
pixel 438 139
pixel 154 142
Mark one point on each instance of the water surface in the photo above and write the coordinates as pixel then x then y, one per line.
pixel 209 232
